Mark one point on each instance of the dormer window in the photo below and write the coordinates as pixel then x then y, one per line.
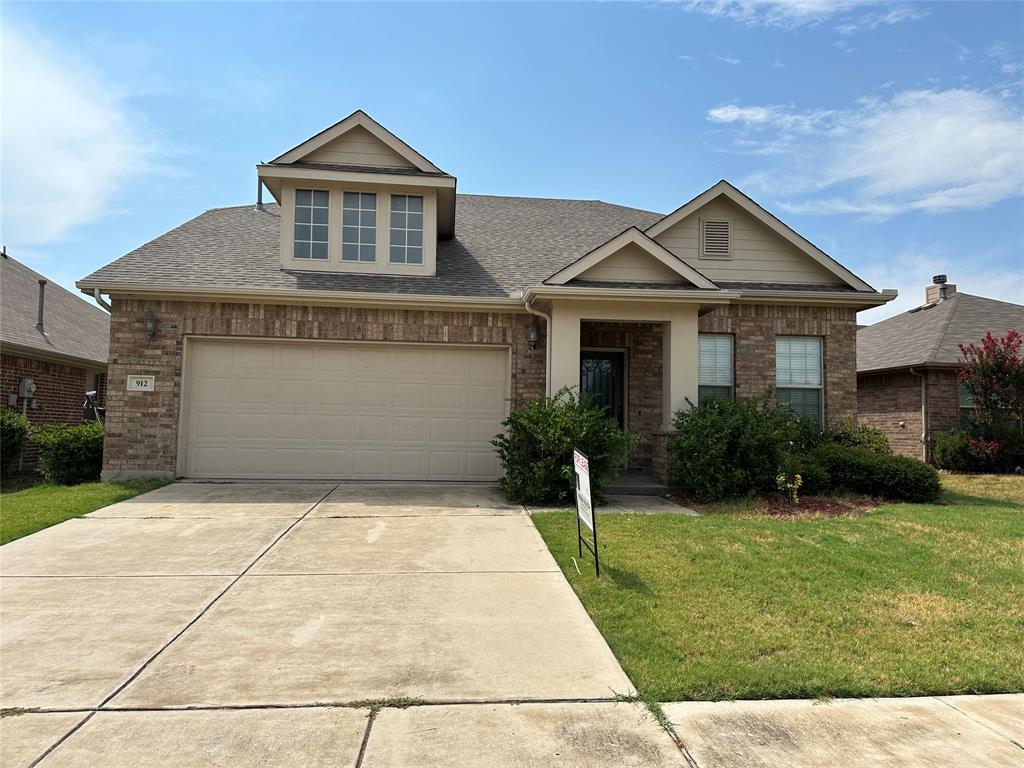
pixel 406 229
pixel 359 226
pixel 311 229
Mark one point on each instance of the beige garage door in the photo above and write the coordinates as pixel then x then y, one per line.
pixel 264 409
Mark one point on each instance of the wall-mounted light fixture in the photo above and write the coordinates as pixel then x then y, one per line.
pixel 532 334
pixel 150 326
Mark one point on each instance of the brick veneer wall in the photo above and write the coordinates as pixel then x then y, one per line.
pixel 885 401
pixel 754 328
pixel 643 345
pixel 142 427
pixel 60 392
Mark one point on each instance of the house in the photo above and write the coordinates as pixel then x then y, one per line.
pixel 53 348
pixel 374 324
pixel 907 365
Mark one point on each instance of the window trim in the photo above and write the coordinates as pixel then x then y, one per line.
pixel 820 387
pixel 732 367
pixel 406 229
pixel 294 241
pixel 701 237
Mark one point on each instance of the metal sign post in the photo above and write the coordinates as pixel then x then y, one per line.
pixel 585 507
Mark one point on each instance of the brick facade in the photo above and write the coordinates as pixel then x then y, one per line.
pixel 60 392
pixel 642 343
pixel 142 427
pixel 892 403
pixel 754 328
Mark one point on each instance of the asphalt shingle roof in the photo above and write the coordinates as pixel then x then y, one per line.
pixel 71 327
pixel 501 245
pixel 931 334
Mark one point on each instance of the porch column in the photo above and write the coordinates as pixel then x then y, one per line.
pixel 565 346
pixel 679 361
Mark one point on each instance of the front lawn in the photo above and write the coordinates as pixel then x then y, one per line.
pixel 31 509
pixel 907 600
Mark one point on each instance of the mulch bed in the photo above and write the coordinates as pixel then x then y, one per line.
pixel 809 507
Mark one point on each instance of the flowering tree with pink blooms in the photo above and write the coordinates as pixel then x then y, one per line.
pixel 992 373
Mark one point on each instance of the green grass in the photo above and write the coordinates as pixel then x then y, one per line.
pixel 27 510
pixel 906 600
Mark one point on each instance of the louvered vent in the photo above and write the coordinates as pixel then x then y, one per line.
pixel 717 239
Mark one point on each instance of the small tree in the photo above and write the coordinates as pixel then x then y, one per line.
pixel 993 375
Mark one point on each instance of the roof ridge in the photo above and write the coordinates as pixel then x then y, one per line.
pixel 51 282
pixel 940 337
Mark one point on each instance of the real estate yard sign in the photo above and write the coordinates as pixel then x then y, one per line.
pixel 585 507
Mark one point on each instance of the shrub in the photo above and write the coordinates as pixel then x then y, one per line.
pixel 958 452
pixel 726 448
pixel 70 454
pixel 536 447
pixel 858 469
pixel 14 429
pixel 848 432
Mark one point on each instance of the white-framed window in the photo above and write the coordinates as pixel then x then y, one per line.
pixel 311 224
pixel 406 229
pixel 715 365
pixel 798 374
pixel 359 226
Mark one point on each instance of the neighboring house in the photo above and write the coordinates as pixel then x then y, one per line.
pixel 374 324
pixel 52 338
pixel 907 365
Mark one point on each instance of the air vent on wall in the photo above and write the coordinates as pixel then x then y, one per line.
pixel 716 239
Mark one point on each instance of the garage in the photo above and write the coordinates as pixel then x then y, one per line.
pixel 341 410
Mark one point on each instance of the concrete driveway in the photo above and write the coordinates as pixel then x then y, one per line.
pixel 306 624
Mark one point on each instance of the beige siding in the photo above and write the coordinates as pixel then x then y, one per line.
pixel 758 254
pixel 631 264
pixel 358 147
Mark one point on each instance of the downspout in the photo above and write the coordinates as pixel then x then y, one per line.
pixel 100 300
pixel 924 413
pixel 547 341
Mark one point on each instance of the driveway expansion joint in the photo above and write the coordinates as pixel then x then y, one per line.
pixel 971 717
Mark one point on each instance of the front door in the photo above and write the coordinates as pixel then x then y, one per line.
pixel 602 375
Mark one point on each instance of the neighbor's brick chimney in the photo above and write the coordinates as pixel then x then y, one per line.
pixel 938 290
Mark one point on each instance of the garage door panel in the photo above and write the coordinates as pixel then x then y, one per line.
pixel 265 409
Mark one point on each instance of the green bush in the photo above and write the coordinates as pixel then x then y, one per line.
pixel 725 448
pixel 848 432
pixel 14 430
pixel 70 454
pixel 959 452
pixel 860 470
pixel 536 447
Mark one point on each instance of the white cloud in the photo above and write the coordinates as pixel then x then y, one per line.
pixel 69 140
pixel 731 60
pixel 917 150
pixel 910 272
pixel 856 15
pixel 1006 57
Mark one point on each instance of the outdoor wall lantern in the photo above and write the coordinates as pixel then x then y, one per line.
pixel 532 334
pixel 150 325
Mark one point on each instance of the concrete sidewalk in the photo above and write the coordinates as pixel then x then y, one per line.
pixel 928 732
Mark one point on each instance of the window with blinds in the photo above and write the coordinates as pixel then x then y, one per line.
pixel 716 238
pixel 798 375
pixel 715 380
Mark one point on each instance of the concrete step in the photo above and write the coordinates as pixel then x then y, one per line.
pixel 635 484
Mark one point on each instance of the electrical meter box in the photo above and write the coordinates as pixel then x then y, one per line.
pixel 26 388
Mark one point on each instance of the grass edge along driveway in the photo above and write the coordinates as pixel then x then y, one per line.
pixel 32 509
pixel 908 600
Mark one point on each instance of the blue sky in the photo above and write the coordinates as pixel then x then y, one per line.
pixel 890 134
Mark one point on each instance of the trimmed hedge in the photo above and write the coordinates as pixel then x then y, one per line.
pixel 860 470
pixel 14 432
pixel 536 447
pixel 70 454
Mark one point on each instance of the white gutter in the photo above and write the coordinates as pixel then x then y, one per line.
pixel 924 412
pixel 694 296
pixel 547 341
pixel 98 296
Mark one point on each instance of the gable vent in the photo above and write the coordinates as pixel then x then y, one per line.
pixel 716 238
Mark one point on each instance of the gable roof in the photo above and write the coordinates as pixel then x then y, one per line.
pixel 72 328
pixel 362 120
pixel 724 189
pixel 930 335
pixel 633 236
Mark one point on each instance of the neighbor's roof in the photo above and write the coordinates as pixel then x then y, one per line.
pixel 931 335
pixel 71 327
pixel 501 245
